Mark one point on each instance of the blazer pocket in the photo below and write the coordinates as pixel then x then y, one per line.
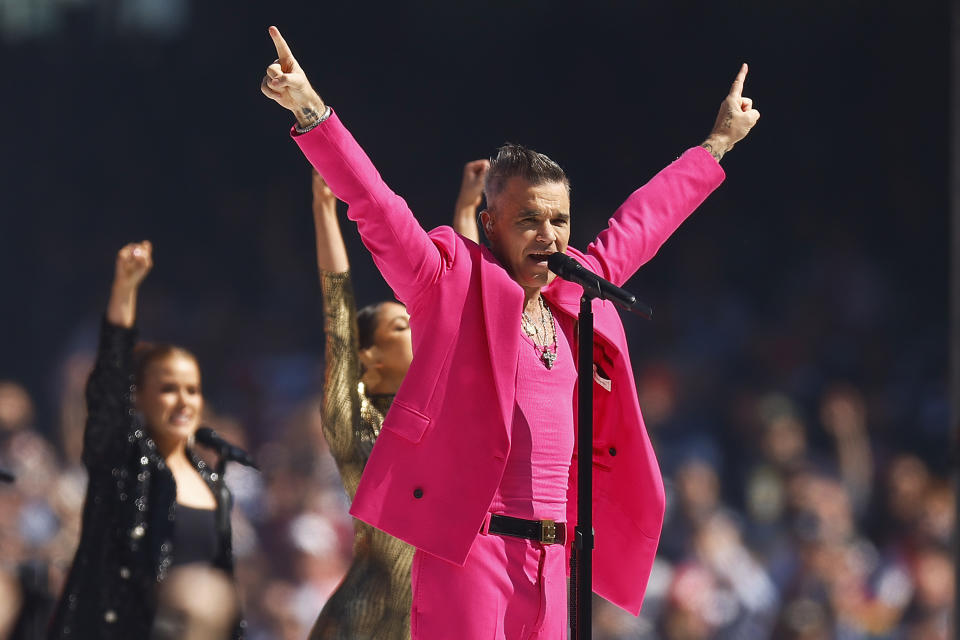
pixel 601 377
pixel 406 422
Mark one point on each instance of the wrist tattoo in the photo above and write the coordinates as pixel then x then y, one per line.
pixel 310 114
pixel 716 153
pixel 313 118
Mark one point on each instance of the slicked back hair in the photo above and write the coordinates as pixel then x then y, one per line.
pixel 516 161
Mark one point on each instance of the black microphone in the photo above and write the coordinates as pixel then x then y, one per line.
pixel 6 476
pixel 569 269
pixel 212 440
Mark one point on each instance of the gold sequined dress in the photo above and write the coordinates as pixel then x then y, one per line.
pixel 374 599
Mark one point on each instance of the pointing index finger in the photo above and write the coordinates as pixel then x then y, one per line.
pixel 283 50
pixel 737 88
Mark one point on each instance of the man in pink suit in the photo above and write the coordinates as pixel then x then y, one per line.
pixel 476 458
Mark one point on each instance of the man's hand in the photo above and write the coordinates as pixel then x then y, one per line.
pixel 134 262
pixel 737 116
pixel 286 83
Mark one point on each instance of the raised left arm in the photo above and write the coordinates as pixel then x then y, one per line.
pixel 653 212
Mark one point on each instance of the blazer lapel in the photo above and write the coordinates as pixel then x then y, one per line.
pixel 502 301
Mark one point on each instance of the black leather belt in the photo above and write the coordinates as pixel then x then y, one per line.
pixel 543 531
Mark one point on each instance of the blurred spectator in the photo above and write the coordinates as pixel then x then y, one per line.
pixel 11 600
pixel 16 409
pixel 719 590
pixel 843 414
pixel 693 496
pixel 930 612
pixel 73 405
pixel 907 481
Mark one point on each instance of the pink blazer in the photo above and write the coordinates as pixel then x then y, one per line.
pixel 443 446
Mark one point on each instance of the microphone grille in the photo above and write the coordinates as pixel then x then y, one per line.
pixel 557 262
pixel 205 435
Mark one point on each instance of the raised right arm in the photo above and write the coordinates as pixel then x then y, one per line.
pixel 109 388
pixel 469 199
pixel 403 252
pixel 134 262
pixel 331 252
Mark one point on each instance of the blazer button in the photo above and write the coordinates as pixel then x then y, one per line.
pixel 613 451
pixel 418 493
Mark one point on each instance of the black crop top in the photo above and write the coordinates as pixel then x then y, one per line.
pixel 194 536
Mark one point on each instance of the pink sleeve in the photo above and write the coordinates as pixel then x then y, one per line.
pixel 653 212
pixel 401 249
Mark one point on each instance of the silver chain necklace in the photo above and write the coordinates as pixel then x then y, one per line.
pixel 538 332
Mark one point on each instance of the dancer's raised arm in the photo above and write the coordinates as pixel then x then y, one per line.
pixel 108 388
pixel 470 197
pixel 331 252
pixel 340 409
pixel 134 262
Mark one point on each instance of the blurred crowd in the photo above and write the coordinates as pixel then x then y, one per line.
pixel 805 512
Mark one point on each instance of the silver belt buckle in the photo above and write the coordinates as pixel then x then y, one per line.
pixel 548 532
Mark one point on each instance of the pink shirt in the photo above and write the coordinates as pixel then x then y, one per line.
pixel 534 483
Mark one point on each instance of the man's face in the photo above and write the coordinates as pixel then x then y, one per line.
pixel 525 223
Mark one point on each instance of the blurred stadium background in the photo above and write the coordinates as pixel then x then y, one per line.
pixel 794 380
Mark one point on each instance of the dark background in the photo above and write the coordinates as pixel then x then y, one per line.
pixel 833 218
pixel 820 264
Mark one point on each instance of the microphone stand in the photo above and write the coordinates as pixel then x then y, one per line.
pixel 581 558
pixel 207 437
pixel 221 467
pixel 223 497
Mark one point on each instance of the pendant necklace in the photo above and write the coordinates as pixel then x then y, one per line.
pixel 540 333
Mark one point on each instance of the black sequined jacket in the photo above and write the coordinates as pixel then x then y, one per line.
pixel 126 546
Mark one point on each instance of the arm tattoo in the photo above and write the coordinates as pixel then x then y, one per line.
pixel 716 153
pixel 310 114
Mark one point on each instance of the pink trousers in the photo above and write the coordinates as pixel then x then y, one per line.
pixel 509 589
